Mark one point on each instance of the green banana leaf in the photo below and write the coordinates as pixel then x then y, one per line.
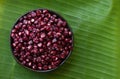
pixel 96 28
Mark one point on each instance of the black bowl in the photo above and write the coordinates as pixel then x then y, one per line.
pixel 12 48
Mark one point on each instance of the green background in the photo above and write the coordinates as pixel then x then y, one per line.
pixel 96 28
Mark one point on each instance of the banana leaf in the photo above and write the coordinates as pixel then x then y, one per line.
pixel 96 28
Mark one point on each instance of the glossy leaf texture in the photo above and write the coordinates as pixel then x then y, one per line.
pixel 96 28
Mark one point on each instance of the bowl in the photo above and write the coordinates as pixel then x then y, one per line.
pixel 19 47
